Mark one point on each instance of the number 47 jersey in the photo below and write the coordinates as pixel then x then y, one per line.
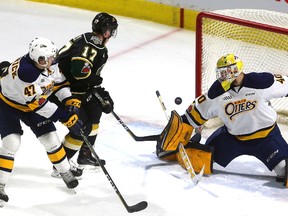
pixel 27 88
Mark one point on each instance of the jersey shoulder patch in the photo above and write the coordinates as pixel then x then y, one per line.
pixel 261 80
pixel 27 71
pixel 93 40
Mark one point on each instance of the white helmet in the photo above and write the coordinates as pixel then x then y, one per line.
pixel 42 49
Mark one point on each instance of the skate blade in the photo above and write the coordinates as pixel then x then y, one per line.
pixel 90 168
pixel 2 203
pixel 57 175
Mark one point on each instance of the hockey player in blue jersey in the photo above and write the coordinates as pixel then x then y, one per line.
pixel 26 85
pixel 241 101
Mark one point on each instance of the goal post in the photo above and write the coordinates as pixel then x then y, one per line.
pixel 258 37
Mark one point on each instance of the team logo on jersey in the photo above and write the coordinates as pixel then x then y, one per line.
pixel 48 89
pixel 96 40
pixel 86 69
pixel 234 108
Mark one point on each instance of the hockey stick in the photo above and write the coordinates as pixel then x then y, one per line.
pixel 162 105
pixel 136 138
pixel 195 178
pixel 134 208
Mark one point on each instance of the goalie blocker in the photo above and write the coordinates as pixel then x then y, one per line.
pixel 177 131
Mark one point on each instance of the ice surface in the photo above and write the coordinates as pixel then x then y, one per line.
pixel 144 57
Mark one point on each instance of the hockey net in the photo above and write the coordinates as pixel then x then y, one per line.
pixel 258 37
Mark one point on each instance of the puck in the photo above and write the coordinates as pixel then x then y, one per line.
pixel 178 100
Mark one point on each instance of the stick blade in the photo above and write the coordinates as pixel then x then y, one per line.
pixel 196 179
pixel 138 207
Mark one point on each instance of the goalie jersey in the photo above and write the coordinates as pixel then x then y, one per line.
pixel 27 88
pixel 239 106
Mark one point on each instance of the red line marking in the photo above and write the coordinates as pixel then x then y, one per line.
pixel 131 49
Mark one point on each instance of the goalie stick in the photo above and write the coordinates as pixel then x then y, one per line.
pixel 135 137
pixel 195 177
pixel 162 105
pixel 134 208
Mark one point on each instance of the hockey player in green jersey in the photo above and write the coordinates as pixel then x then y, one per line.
pixel 81 60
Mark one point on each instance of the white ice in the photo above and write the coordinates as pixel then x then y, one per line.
pixel 144 57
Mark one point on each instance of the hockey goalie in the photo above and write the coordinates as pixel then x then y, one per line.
pixel 240 100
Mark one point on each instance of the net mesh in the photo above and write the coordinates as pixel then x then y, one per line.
pixel 263 48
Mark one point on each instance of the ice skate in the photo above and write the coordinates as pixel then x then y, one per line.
pixel 3 196
pixel 85 159
pixel 77 172
pixel 69 179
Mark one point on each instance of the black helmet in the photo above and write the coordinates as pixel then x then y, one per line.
pixel 103 22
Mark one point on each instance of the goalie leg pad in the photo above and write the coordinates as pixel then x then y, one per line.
pixel 175 132
pixel 168 155
pixel 199 155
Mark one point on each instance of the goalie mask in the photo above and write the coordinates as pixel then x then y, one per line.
pixel 228 69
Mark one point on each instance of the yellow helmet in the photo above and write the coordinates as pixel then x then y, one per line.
pixel 228 60
pixel 228 69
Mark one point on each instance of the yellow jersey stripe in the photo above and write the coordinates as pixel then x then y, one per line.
pixel 258 134
pixel 21 107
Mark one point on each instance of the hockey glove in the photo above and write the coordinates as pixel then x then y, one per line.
pixel 106 101
pixel 71 120
pixel 3 66
pixel 72 105
pixel 96 80
pixel 73 123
